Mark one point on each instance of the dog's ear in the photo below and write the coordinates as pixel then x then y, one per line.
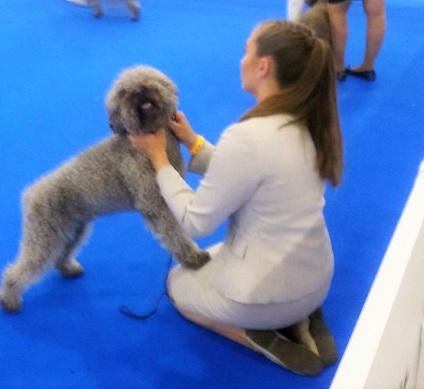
pixel 114 110
pixel 119 130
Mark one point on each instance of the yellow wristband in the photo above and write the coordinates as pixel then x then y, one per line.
pixel 200 141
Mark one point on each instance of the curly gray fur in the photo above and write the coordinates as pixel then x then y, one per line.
pixel 108 177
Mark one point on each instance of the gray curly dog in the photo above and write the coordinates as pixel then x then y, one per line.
pixel 108 177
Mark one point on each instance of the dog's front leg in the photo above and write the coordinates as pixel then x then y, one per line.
pixel 98 10
pixel 139 179
pixel 165 227
pixel 135 9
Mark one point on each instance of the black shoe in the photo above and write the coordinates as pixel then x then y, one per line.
pixel 341 76
pixel 292 356
pixel 323 338
pixel 366 74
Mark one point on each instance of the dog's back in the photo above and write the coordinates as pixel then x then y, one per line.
pixel 97 181
pixel 317 19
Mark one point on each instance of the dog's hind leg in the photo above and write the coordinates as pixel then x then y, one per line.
pixel 47 235
pixel 18 276
pixel 38 254
pixel 135 9
pixel 66 264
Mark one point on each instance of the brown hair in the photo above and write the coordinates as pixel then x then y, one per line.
pixel 304 68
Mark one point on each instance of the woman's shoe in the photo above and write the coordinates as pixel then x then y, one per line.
pixel 366 74
pixel 323 338
pixel 293 356
pixel 316 337
pixel 341 76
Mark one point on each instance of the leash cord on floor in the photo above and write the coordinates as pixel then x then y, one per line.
pixel 130 313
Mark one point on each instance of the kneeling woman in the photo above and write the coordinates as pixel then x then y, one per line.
pixel 266 176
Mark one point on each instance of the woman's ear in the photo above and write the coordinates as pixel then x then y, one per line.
pixel 265 66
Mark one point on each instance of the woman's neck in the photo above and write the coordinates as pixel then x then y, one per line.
pixel 267 89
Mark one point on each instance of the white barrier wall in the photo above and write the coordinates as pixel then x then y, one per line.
pixel 385 347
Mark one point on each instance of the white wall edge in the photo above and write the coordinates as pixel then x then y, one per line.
pixel 358 358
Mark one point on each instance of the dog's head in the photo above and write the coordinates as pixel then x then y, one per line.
pixel 141 100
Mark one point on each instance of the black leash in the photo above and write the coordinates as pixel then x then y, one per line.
pixel 130 313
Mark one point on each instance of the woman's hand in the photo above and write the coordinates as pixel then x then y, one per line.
pixel 182 130
pixel 153 146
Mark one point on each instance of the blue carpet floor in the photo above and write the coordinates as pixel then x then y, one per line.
pixel 56 64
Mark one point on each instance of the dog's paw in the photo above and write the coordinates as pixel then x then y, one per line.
pixel 11 305
pixel 201 259
pixel 98 13
pixel 70 269
pixel 136 15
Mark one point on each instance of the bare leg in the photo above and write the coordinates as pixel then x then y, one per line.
pixel 339 30
pixel 294 357
pixel 235 334
pixel 376 29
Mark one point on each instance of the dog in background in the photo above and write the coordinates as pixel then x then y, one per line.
pixel 316 18
pixel 108 177
pixel 132 5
